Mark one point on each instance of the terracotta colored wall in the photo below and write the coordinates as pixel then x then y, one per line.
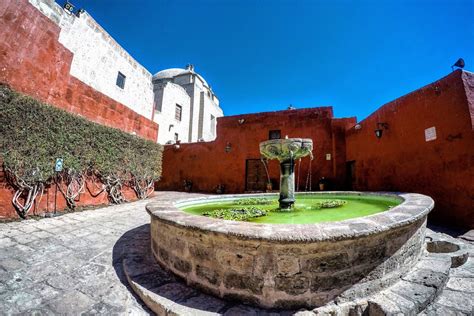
pixel 47 203
pixel 208 164
pixel 401 160
pixel 34 62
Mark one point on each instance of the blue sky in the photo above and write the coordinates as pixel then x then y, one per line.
pixel 264 55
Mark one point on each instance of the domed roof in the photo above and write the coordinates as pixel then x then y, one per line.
pixel 173 72
pixel 170 73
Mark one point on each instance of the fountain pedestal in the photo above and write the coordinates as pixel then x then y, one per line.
pixel 287 184
pixel 287 151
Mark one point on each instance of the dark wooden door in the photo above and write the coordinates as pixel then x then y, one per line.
pixel 255 175
pixel 350 175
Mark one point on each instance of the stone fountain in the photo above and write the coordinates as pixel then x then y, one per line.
pixel 287 151
pixel 345 265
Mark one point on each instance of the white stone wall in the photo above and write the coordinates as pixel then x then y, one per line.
pixel 98 58
pixel 194 126
pixel 208 105
pixel 170 94
pixel 183 80
pixel 210 108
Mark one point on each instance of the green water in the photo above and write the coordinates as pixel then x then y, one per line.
pixel 304 211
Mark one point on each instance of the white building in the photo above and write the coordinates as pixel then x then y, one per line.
pixel 179 100
pixel 186 108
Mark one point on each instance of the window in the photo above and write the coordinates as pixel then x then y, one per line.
pixel 274 134
pixel 120 80
pixel 176 137
pixel 178 112
pixel 213 125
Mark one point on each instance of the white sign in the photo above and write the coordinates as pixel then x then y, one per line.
pixel 328 156
pixel 430 134
pixel 58 166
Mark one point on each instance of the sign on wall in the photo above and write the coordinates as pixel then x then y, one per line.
pixel 430 134
pixel 58 166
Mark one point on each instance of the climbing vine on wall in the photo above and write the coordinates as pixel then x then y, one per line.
pixel 34 134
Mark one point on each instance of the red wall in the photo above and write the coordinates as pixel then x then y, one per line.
pixel 34 62
pixel 208 164
pixel 53 199
pixel 401 160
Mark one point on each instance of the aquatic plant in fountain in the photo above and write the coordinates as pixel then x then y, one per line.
pixel 287 151
pixel 236 214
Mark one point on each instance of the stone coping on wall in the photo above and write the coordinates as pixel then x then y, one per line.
pixel 412 208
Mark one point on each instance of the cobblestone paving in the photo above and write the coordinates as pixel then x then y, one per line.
pixel 71 264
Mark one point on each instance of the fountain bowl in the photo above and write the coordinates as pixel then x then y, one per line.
pixel 286 149
pixel 290 265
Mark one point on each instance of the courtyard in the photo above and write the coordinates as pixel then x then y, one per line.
pixel 326 171
pixel 74 264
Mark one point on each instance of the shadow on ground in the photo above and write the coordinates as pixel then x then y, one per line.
pixel 133 243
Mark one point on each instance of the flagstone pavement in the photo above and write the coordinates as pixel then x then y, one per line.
pixel 71 264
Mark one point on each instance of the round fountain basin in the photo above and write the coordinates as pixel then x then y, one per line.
pixel 306 210
pixel 290 265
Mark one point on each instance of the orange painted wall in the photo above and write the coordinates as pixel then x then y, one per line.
pixel 208 164
pixel 401 160
pixel 53 200
pixel 32 61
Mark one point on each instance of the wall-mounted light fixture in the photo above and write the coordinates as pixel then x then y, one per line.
pixel 380 128
pixel 357 126
pixel 241 121
pixel 228 147
pixel 177 145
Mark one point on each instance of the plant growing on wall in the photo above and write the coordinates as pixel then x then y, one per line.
pixel 75 185
pixel 34 135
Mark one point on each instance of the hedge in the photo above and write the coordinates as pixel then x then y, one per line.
pixel 34 135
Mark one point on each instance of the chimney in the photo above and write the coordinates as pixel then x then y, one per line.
pixel 190 67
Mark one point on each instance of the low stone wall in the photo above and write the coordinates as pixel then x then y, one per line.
pixel 290 266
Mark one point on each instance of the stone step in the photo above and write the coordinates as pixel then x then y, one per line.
pixel 457 296
pixel 165 294
pixel 416 292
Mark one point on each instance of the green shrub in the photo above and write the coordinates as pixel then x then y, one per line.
pixel 34 134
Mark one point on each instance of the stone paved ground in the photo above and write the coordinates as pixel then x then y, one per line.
pixel 72 264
